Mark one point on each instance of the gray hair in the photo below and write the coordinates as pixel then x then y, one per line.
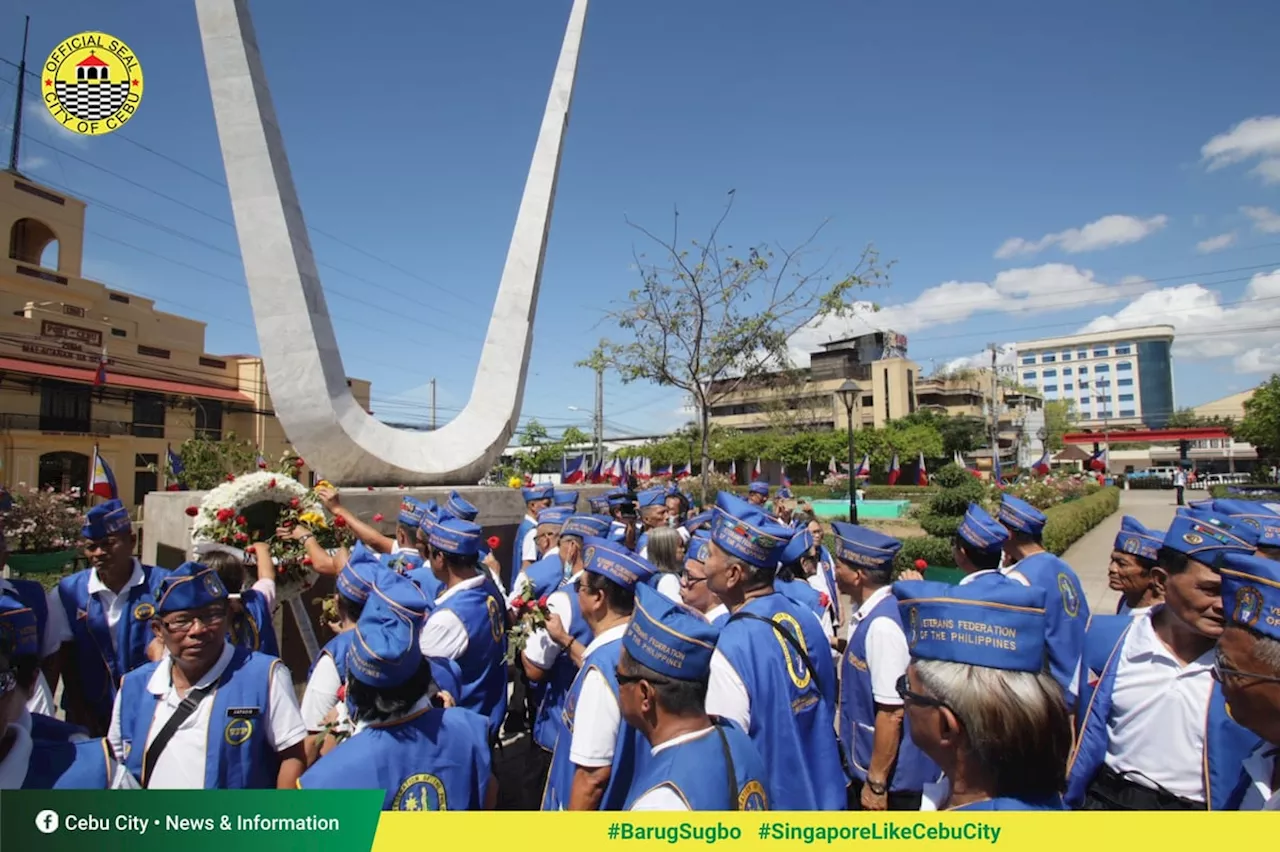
pixel 1016 724
pixel 663 549
pixel 1267 652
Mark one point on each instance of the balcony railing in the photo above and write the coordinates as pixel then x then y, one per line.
pixel 65 425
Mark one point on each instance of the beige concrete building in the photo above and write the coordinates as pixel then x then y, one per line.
pixel 161 386
pixel 808 398
pixel 1229 406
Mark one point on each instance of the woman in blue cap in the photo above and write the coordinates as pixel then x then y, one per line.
pixel 979 700
pixel 423 757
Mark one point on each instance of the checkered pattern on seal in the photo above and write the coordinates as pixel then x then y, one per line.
pixel 90 101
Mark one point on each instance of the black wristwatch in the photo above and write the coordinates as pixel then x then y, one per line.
pixel 878 789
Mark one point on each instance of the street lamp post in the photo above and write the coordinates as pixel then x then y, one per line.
pixel 849 395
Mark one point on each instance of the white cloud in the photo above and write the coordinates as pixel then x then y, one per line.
pixel 1264 219
pixel 1217 243
pixel 37 112
pixel 1030 290
pixel 1247 330
pixel 1109 231
pixel 1257 137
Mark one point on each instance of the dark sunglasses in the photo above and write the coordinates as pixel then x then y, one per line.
pixel 905 693
pixel 1221 672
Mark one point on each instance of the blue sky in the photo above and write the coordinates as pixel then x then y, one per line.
pixel 1032 172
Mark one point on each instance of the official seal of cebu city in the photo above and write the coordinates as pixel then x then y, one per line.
pixel 92 83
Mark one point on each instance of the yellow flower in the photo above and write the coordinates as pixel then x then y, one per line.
pixel 515 482
pixel 324 483
pixel 313 519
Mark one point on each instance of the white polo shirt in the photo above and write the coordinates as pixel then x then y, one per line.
pixel 181 766
pixel 14 766
pixel 321 694
pixel 444 635
pixel 540 650
pixel 597 717
pixel 1260 765
pixel 1155 733
pixel 113 604
pixel 887 655
pixel 664 797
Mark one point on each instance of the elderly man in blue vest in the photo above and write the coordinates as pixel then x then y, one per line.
pixel 1065 603
pixel 525 550
pixel 889 770
pixel 102 616
pixel 1131 569
pixel 1154 732
pixel 548 567
pixel 423 757
pixel 33 595
pixel 758 494
pixel 978 549
pixel 209 714
pixel 1248 667
pixel 597 754
pixel 468 622
pixel 653 514
pixel 772 671
pixel 696 763
pixel 36 752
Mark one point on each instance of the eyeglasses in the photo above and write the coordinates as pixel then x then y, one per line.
pixel 8 683
pixel 905 693
pixel 690 582
pixel 184 623
pixel 1221 672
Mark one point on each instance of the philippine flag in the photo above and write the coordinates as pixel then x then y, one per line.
pixel 831 467
pixel 662 470
pixel 808 471
pixel 894 470
pixel 864 467
pixel 101 480
pixel 1042 467
pixel 573 470
pixel 1099 460
pixel 733 472
pixel 100 377
pixel 685 470
pixel 922 475
pixel 755 471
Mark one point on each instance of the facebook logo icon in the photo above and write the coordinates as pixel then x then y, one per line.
pixel 47 822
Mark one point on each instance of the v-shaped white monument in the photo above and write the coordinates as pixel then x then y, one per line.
pixel 295 334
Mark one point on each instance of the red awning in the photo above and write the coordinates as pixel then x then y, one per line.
pixel 121 380
pixel 1194 433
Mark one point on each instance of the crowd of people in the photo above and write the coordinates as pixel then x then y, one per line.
pixel 668 658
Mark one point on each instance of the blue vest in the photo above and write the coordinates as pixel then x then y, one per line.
pixel 426 580
pixel 629 751
pixel 237 756
pixel 445 673
pixel 1004 803
pixel 431 760
pixel 1067 612
pixel 526 524
pixel 50 728
pixel 642 541
pixel 483 665
pixel 913 768
pixel 547 723
pixel 1226 744
pixel 32 595
pixel 792 723
pixel 696 772
pixel 799 591
pixel 545 576
pixel 61 765
pixel 253 630
pixel 827 570
pixel 100 667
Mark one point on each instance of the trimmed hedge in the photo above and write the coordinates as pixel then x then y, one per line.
pixel 1068 522
pixel 934 551
pixel 1222 492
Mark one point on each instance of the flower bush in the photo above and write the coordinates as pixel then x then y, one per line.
pixel 42 520
pixel 1053 490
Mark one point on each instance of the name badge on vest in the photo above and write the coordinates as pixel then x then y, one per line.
pixel 244 712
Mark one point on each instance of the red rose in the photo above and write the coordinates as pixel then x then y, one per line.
pixel 370 488
pixel 295 503
pixel 339 521
pixel 262 465
pixel 192 511
pixel 542 601
pixel 823 600
pixel 173 486
pixel 306 560
pixel 231 477
pixel 517 605
pixel 224 515
pixel 272 483
pixel 377 519
pixel 342 692
pixel 402 487
pixel 921 565
pixel 241 537
pixel 299 464
pixel 241 520
pixel 494 541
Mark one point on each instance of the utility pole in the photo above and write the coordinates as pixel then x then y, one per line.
pixel 433 405
pixel 995 410
pixel 17 107
pixel 597 423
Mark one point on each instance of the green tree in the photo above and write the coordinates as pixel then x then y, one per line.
pixel 1059 419
pixel 206 464
pixel 1186 418
pixel 1261 423
pixel 959 434
pixel 708 318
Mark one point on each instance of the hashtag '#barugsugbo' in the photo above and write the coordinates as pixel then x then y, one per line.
pixel 614 830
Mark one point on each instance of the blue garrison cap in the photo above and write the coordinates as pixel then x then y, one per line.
pixel 998 626
pixel 191 586
pixel 456 536
pixel 385 649
pixel 410 512
pixel 19 630
pixel 800 544
pixel 981 531
pixel 106 519
pixel 1136 539
pixel 1251 592
pixel 1260 517
pixel 554 516
pixel 699 520
pixel 459 507
pixel 1204 536
pixel 584 526
pixel 616 498
pixel 430 515
pixel 402 561
pixel 743 531
pixel 599 504
pixel 537 492
pixel 698 548
pixel 611 559
pixel 565 498
pixel 356 577
pixel 1021 516
pixel 759 487
pixel 669 638
pixel 650 498
pixel 864 548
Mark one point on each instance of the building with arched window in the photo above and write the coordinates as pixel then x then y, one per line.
pixel 161 386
